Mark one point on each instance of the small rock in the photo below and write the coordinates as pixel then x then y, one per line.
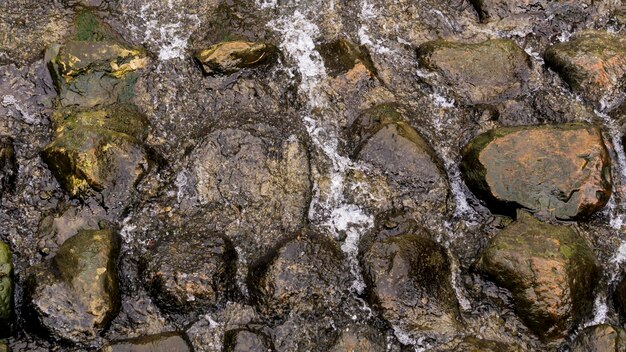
pixel 75 295
pixel 165 342
pixel 190 271
pixel 550 271
pixel 341 56
pixel 593 63
pixel 563 170
pixel 242 340
pixel 8 164
pixel 482 73
pixel 230 57
pixel 6 289
pixel 600 338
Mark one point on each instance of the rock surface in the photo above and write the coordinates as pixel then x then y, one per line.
pixel 8 164
pixel 230 57
pixel 550 271
pixel 502 9
pixel 165 342
pixel 6 289
pixel 75 295
pixel 247 341
pixel 600 338
pixel 341 56
pixel 473 344
pixel 359 339
pixel 563 170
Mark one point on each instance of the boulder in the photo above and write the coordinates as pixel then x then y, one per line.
pixel 190 271
pixel 481 73
pixel 75 295
pixel 501 9
pixel 600 338
pixel 550 271
pixel 8 164
pixel 593 63
pixel 562 170
pixel 165 342
pixel 230 57
pixel 6 289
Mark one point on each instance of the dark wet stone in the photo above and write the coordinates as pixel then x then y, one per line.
pixel 562 170
pixel 500 9
pixel 482 73
pixel 242 340
pixel 6 289
pixel 75 295
pixel 593 63
pixel 341 56
pixel 600 338
pixel 165 342
pixel 190 271
pixel 8 164
pixel 408 279
pixel 357 338
pixel 550 271
pixel 620 296
pixel 474 344
pixel 230 57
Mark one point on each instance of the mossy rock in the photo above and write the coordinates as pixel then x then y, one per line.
pixel 6 289
pixel 122 118
pixel 233 56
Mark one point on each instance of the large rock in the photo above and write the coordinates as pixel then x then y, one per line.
pixel 230 57
pixel 474 344
pixel 75 295
pixel 165 342
pixel 408 279
pixel 8 164
pixel 481 73
pixel 6 289
pixel 563 170
pixel 500 9
pixel 592 63
pixel 600 338
pixel 190 271
pixel 550 271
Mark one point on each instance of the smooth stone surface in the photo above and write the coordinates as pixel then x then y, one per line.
pixel 165 342
pixel 6 289
pixel 233 56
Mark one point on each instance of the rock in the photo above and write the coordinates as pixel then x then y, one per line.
pixel 408 279
pixel 600 338
pixel 230 57
pixel 243 340
pixel 306 273
pixel 360 339
pixel 341 56
pixel 191 271
pixel 482 73
pixel 620 296
pixel 6 289
pixel 4 347
pixel 563 169
pixel 165 342
pixel 75 295
pixel 499 9
pixel 550 271
pixel 473 344
pixel 593 63
pixel 8 164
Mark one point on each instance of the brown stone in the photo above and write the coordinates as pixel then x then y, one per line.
pixel 166 342
pixel 230 57
pixel 600 338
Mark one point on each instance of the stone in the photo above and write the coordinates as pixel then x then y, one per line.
pixel 474 344
pixel 165 342
pixel 499 9
pixel 4 347
pixel 8 165
pixel 6 289
pixel 75 295
pixel 360 339
pixel 230 57
pixel 600 338
pixel 550 271
pixel 190 271
pixel 408 279
pixel 562 170
pixel 482 73
pixel 243 340
pixel 593 63
pixel 306 273
pixel 341 56
pixel 620 296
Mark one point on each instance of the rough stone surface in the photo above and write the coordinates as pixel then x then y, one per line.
pixel 190 271
pixel 600 338
pixel 563 170
pixel 501 9
pixel 75 295
pixel 6 289
pixel 242 340
pixel 360 339
pixel 482 73
pixel 474 344
pixel 8 164
pixel 230 57
pixel 550 271
pixel 341 56
pixel 593 63
pixel 166 342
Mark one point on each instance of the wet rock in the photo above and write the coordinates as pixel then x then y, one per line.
pixel 4 347
pixel 473 344
pixel 593 63
pixel 75 295
pixel 360 339
pixel 191 271
pixel 6 289
pixel 600 338
pixel 8 164
pixel 550 271
pixel 563 170
pixel 408 279
pixel 499 9
pixel 230 57
pixel 620 296
pixel 341 56
pixel 306 273
pixel 481 73
pixel 165 342
pixel 243 340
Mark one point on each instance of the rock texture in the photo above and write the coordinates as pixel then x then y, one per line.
pixel 233 56
pixel 242 340
pixel 600 338
pixel 563 170
pixel 8 164
pixel 165 342
pixel 550 271
pixel 6 289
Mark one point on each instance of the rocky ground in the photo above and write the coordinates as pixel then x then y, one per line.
pixel 323 175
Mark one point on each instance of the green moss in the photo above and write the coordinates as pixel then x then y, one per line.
pixel 89 28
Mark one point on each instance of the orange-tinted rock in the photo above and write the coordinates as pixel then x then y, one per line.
pixel 563 170
pixel 592 63
pixel 600 338
pixel 550 271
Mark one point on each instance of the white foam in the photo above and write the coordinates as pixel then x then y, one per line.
pixel 600 309
pixel 170 37
pixel 9 100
